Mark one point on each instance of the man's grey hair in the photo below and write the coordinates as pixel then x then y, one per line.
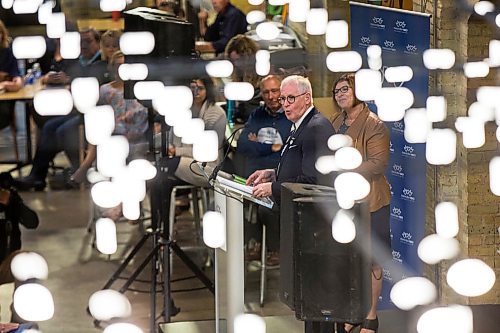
pixel 302 83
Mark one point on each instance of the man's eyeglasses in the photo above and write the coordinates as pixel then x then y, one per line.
pixel 290 99
pixel 342 89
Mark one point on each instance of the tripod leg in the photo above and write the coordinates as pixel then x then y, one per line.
pixel 125 262
pixel 192 266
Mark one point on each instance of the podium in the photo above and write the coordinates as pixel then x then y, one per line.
pixel 230 263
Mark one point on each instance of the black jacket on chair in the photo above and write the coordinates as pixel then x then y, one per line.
pixel 304 146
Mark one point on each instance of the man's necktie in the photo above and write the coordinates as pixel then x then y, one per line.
pixel 288 142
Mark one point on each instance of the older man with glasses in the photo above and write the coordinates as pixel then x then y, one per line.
pixel 306 142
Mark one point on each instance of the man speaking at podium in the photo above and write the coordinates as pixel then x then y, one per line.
pixel 307 141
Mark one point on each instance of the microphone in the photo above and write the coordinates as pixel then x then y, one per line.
pixel 219 166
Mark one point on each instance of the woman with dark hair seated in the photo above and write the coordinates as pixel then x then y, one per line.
pixel 177 165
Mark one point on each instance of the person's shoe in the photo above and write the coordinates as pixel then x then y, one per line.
pixel 29 183
pixel 273 259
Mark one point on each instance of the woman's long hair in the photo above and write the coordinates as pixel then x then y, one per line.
pixel 350 79
pixel 5 40
pixel 209 88
pixel 244 69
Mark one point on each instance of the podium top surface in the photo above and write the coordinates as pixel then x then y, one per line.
pixel 230 188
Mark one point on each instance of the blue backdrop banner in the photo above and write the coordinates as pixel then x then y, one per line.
pixel 403 36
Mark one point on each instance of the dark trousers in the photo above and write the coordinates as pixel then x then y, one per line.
pixel 271 219
pixel 58 134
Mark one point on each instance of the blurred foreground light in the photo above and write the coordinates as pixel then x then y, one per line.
pixel 7 4
pixel 105 194
pixel 255 2
pixel 482 112
pixel 298 10
pixel 368 83
pixel 44 12
pixel 434 248
pixel 148 89
pixel 135 72
pixel 112 5
pixel 196 127
pixel 498 133
pixel 497 20
pixel 338 141
pixel 495 174
pixel 436 108
pixel 56 26
pixel 348 158
pixel 112 155
pixel 374 51
pixel 472 129
pixel 484 7
pixel 180 97
pixel 488 95
pixel 94 176
pixel 28 47
pixel 343 228
pixel 417 126
pixel 278 2
pixel 262 63
pixel 317 20
pixel 70 45
pixel 26 6
pixel 181 122
pixel 249 323
pixel 29 265
pixel 33 302
pixel 392 103
pixel 455 318
pixel 344 61
pixel 105 236
pixel 326 164
pixel 122 328
pixel 441 147
pixel 337 34
pixel 398 74
pixel 206 147
pixel 439 58
pixel 476 69
pixel 108 304
pixel 352 185
pixel 446 214
pixel 45 106
pixel 140 42
pixel 85 91
pixel 238 91
pixel 413 291
pixel 219 68
pixel 267 30
pixel 494 53
pixel 214 230
pixel 142 169
pixel 131 209
pixel 256 16
pixel 470 277
pixel 375 63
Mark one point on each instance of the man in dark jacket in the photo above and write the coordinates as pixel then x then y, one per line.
pixel 230 21
pixel 266 129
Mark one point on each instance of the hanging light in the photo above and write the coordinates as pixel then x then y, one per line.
pixel 436 108
pixel 446 214
pixel 144 90
pixel 470 277
pixel 109 304
pixel 33 302
pixel 343 228
pixel 105 231
pixel 56 26
pixel 441 146
pixel 214 230
pixel 337 34
pixel 29 265
pixel 267 31
pixel 439 58
pixel 137 42
pixel 326 164
pixel 413 291
pixel 26 6
pixel 476 69
pixel 142 169
pixel 348 158
pixel 262 62
pixel 70 45
pixel 137 72
pixel 206 147
pixel 28 47
pixel 338 141
pixel 434 248
pixel 317 20
pixel 112 5
pixel 344 61
pixel 219 68
pixel 484 7
pixel 417 125
pixel 85 91
pixel 481 112
pixel 495 174
pixel 494 53
pixel 454 318
pixel 112 155
pixel 392 103
pixel 298 9
pixel 45 106
pixel 105 194
pixel 398 74
pixel 238 91
pixel 249 323
pixel 44 12
pixel 368 83
pixel 472 129
pixel 256 16
pixel 122 328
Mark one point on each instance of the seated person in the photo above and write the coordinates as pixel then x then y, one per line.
pixel 13 212
pixel 131 117
pixel 230 21
pixel 266 130
pixel 10 78
pixel 180 156
pixel 61 133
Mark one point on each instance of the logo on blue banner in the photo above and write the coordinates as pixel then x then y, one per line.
pixel 397 214
pixel 407 194
pixel 411 49
pixel 377 23
pixel 397 170
pixel 398 126
pixel 400 26
pixel 406 238
pixel 396 255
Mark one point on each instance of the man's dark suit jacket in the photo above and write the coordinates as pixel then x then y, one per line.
pixel 306 144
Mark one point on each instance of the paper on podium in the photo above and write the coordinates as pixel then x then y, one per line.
pixel 247 190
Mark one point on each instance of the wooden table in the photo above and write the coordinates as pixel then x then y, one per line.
pixel 25 94
pixel 101 24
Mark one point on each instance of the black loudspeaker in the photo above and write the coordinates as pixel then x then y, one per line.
pixel 321 279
